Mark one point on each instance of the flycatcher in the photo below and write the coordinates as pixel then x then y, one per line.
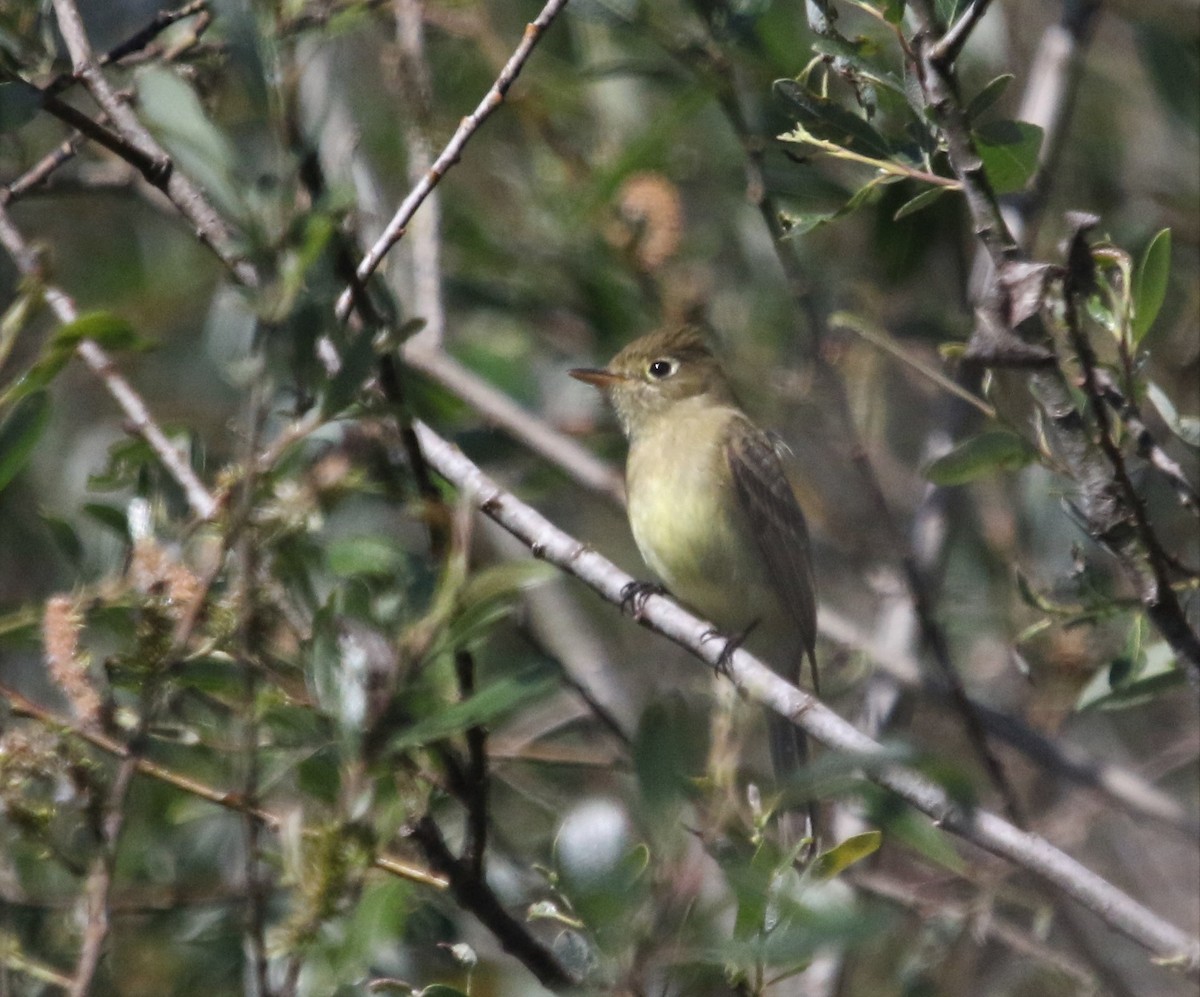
pixel 711 508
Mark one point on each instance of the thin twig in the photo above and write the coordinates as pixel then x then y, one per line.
pixel 136 43
pixel 476 896
pixel 179 189
pixel 257 885
pixel 451 154
pixel 1021 942
pixel 100 876
pixel 41 171
pixel 762 685
pixel 233 801
pixel 425 258
pixel 952 42
pixel 1102 500
pixel 202 502
pixel 1075 287
pixel 1148 447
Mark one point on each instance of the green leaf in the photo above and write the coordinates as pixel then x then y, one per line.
pixel 798 223
pixel 487 706
pixel 843 855
pixel 829 120
pixel 488 596
pixel 172 108
pixel 441 990
pixel 29 298
pixel 365 555
pixel 998 450
pixel 1009 150
pixel 668 753
pixel 988 96
pixel 503 581
pixel 1150 283
pixel 19 433
pixel 38 376
pixel 949 11
pixel 922 200
pixel 104 328
pixel 109 330
pixel 64 536
pixel 107 515
pixel 893 10
pixel 1136 677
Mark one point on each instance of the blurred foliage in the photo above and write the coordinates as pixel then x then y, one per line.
pixel 344 643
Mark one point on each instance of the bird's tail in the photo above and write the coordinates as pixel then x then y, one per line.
pixel 789 754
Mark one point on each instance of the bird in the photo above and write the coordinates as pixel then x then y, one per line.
pixel 713 513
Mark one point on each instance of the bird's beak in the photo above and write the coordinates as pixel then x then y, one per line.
pixel 596 376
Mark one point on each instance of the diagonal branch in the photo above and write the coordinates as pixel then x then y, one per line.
pixel 759 683
pixel 452 152
pixel 475 895
pixel 202 502
pixel 1015 327
pixel 179 189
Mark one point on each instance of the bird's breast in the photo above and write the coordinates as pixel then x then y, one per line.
pixel 687 523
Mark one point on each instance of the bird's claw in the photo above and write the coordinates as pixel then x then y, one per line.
pixel 635 594
pixel 732 643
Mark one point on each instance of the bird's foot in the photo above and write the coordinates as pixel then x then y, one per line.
pixel 732 643
pixel 635 594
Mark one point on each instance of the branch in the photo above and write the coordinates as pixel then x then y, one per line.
pixel 232 801
pixel 99 880
pixel 202 502
pixel 161 173
pixel 451 153
pixel 474 894
pixel 1130 791
pixel 1011 328
pixel 980 925
pixel 764 686
pixel 39 173
pixel 1148 447
pixel 951 45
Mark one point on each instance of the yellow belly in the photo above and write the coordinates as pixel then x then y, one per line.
pixel 687 523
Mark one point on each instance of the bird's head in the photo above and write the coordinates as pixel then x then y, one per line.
pixel 657 372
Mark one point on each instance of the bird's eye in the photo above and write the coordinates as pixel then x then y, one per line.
pixel 660 369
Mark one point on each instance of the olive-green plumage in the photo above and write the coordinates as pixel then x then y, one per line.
pixel 710 504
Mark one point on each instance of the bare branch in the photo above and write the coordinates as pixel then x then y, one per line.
pixel 477 896
pixel 955 38
pixel 202 502
pixel 1020 942
pixel 451 154
pixel 761 684
pixel 186 196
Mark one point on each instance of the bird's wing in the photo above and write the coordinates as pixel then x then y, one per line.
pixel 777 525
